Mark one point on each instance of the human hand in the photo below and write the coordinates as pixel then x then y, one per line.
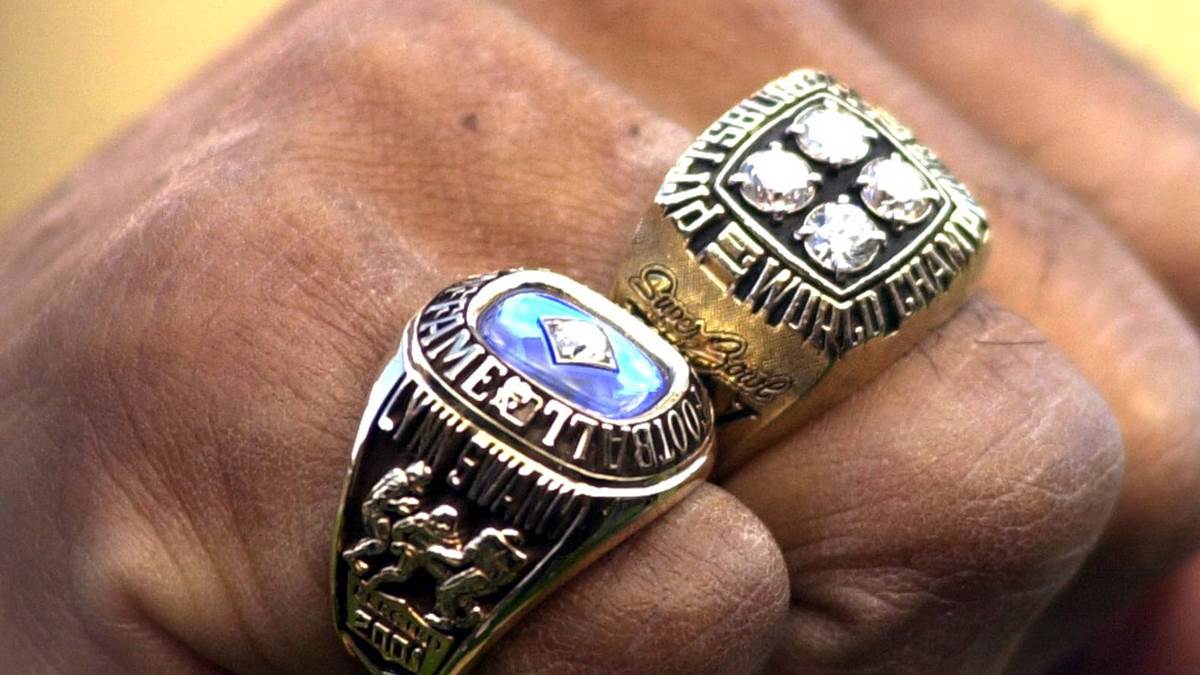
pixel 195 318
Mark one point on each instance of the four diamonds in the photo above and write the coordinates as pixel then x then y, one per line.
pixel 840 236
pixel 578 342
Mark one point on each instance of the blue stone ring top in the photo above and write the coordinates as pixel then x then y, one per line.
pixel 573 354
pixel 524 426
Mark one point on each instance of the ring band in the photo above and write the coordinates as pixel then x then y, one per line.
pixel 802 243
pixel 525 425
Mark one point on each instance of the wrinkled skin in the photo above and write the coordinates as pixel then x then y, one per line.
pixel 192 321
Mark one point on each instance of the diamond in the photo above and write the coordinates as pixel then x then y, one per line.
pixel 828 133
pixel 776 181
pixel 516 401
pixel 578 342
pixel 841 237
pixel 894 189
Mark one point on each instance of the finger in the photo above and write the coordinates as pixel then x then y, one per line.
pixel 1054 261
pixel 1037 81
pixel 936 512
pixel 649 606
pixel 206 370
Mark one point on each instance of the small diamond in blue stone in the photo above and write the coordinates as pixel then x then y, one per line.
pixel 579 342
pixel 573 353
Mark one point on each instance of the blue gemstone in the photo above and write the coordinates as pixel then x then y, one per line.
pixel 573 353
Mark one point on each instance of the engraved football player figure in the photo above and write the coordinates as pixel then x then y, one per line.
pixel 496 561
pixel 397 493
pixel 427 540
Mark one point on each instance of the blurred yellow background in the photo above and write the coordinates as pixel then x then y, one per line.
pixel 72 72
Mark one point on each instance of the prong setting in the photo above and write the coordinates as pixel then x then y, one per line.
pixel 893 189
pixel 776 181
pixel 828 133
pixel 841 237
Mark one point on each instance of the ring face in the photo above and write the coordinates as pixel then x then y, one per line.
pixel 526 424
pixel 885 232
pixel 813 215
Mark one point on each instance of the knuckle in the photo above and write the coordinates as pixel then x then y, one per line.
pixel 1038 480
pixel 708 564
pixel 186 316
pixel 1065 267
pixel 204 364
pixel 997 494
pixel 392 108
pixel 376 78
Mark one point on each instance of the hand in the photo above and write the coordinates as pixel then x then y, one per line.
pixel 193 321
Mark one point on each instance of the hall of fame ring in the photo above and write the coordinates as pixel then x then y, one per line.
pixel 803 242
pixel 525 425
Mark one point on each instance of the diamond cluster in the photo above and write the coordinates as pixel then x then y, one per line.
pixel 840 236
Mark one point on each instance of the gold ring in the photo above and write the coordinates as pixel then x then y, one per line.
pixel 802 243
pixel 525 425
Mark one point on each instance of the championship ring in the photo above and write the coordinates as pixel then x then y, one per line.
pixel 803 242
pixel 524 426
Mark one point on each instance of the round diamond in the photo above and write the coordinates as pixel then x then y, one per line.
pixel 776 181
pixel 832 135
pixel 894 189
pixel 841 237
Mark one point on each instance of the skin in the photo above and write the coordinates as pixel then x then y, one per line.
pixel 194 318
